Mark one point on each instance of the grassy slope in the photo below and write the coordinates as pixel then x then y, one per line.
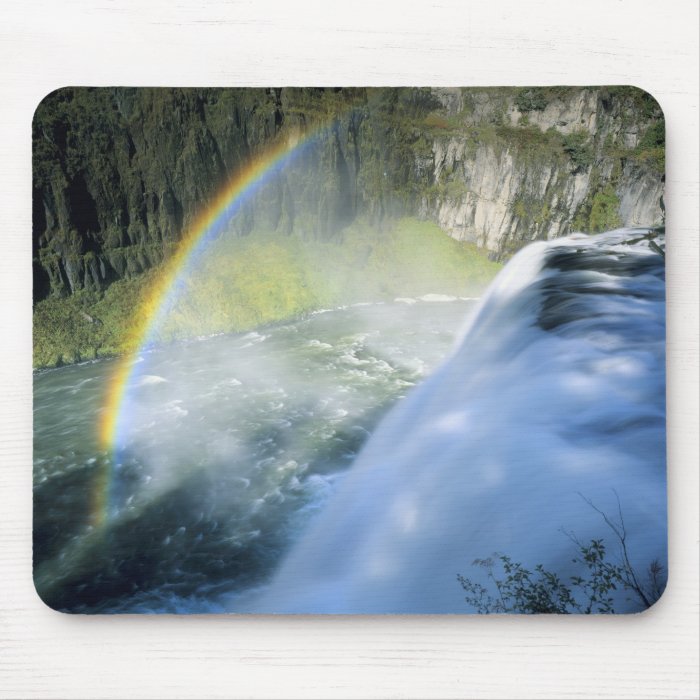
pixel 247 282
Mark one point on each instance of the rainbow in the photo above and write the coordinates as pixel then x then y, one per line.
pixel 207 227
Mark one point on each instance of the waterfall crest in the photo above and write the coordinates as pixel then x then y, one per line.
pixel 553 396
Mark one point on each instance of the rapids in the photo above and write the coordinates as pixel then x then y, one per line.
pixel 232 443
pixel 552 400
pixel 247 482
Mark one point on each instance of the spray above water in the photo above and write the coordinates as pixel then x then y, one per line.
pixel 555 396
pixel 235 442
pixel 241 469
pixel 115 423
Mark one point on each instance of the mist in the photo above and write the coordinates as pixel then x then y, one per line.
pixel 552 402
pixel 230 445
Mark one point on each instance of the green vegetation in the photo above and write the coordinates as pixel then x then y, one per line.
pixel 652 147
pixel 121 173
pixel 636 100
pixel 519 590
pixel 601 209
pixel 650 152
pixel 576 146
pixel 531 100
pixel 531 210
pixel 436 121
pixel 604 210
pixel 246 282
pixel 531 143
pixel 88 324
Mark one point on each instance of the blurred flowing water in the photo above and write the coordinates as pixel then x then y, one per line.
pixel 259 473
pixel 549 413
pixel 234 443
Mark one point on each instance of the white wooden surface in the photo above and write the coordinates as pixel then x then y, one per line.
pixel 44 45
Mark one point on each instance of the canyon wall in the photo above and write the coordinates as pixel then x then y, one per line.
pixel 120 174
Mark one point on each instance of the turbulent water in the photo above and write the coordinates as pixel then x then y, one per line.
pixel 234 443
pixel 550 411
pixel 242 488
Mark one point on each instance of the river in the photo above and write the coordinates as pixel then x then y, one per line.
pixel 234 443
pixel 359 460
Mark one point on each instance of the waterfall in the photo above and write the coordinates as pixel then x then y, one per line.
pixel 552 400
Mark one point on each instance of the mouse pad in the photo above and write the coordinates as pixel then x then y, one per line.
pixel 349 350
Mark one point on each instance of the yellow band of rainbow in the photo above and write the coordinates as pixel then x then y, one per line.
pixel 210 222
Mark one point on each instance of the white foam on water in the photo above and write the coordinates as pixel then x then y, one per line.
pixel 553 399
pixel 150 380
pixel 437 297
pixel 315 343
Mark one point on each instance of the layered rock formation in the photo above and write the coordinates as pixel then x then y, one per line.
pixel 121 173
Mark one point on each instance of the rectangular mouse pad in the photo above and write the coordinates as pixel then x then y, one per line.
pixel 349 350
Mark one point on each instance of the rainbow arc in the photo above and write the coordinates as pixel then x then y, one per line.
pixel 210 224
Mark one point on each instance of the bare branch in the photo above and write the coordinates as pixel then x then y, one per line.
pixel 630 577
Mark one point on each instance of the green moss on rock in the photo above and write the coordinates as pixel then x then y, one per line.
pixel 246 282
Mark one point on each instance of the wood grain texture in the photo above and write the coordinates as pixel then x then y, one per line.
pixel 45 45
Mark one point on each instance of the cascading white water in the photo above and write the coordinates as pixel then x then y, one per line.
pixel 554 396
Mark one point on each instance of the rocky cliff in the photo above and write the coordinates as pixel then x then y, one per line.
pixel 540 163
pixel 120 173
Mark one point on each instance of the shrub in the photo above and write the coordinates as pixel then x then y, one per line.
pixel 576 146
pixel 655 135
pixel 531 100
pixel 605 208
pixel 519 590
pixel 651 148
pixel 435 121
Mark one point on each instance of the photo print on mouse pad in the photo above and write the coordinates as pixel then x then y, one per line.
pixel 349 350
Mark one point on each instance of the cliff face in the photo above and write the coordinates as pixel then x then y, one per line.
pixel 547 167
pixel 121 173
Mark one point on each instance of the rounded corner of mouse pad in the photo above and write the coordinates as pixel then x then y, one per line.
pixel 393 350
